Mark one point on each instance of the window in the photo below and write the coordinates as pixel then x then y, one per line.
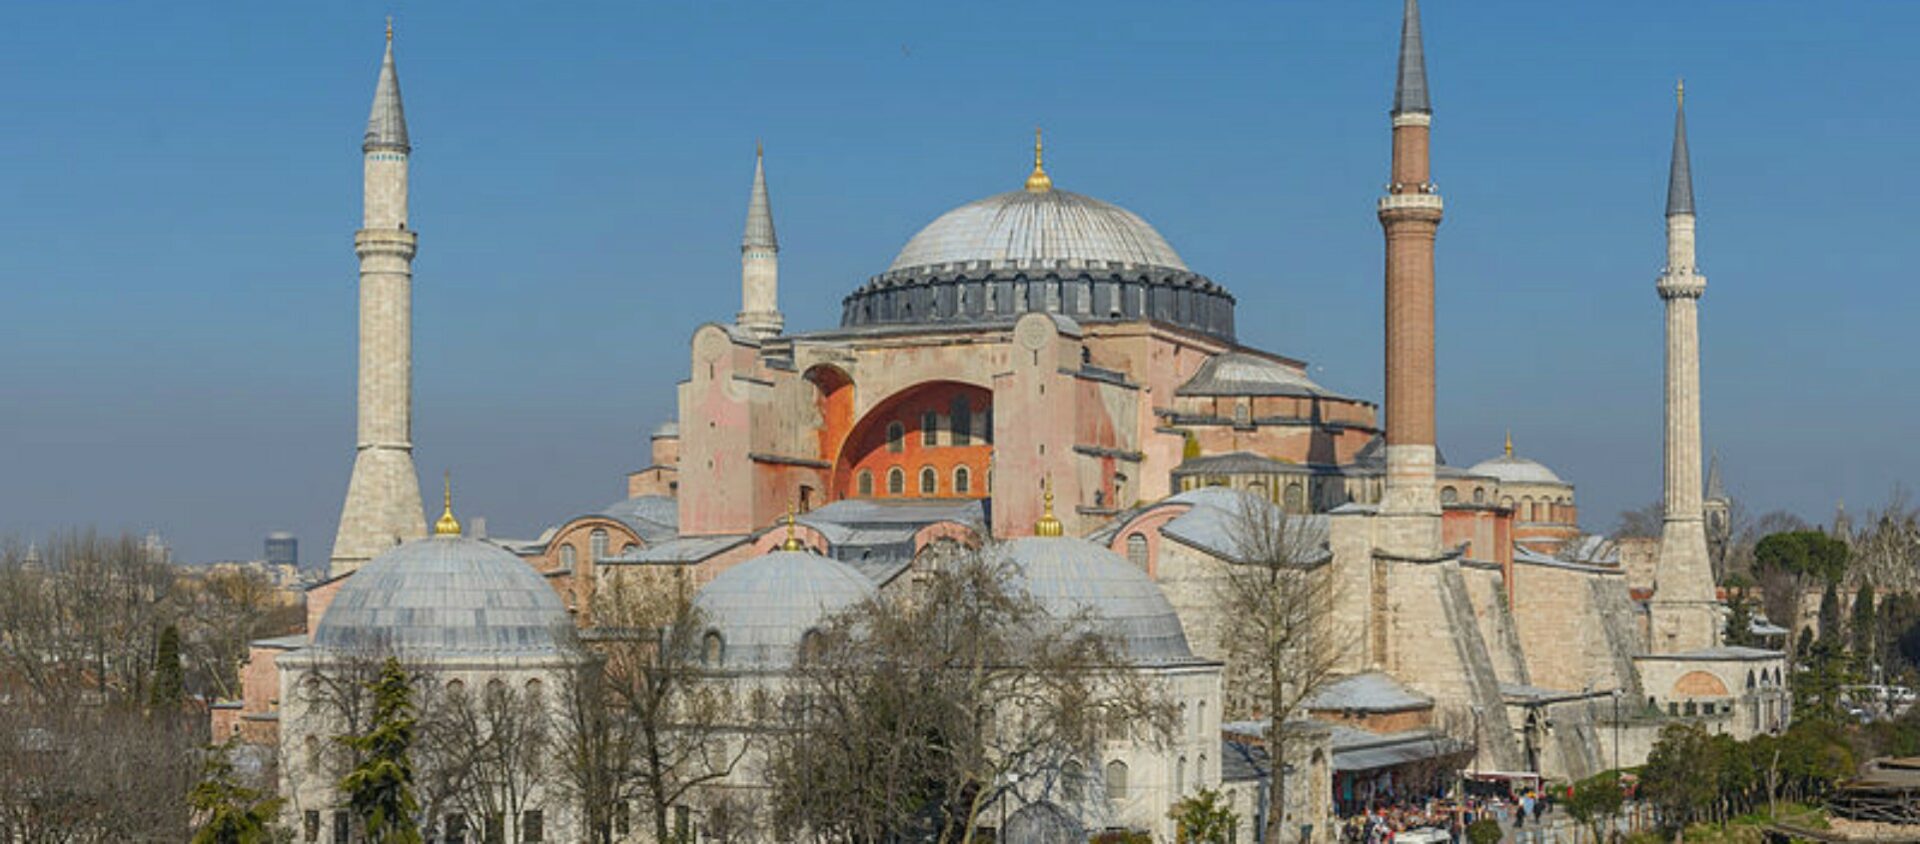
pixel 312 747
pixel 1479 495
pixel 310 824
pixel 896 437
pixel 342 831
pixel 929 481
pixel 896 481
pixel 1137 550
pixel 455 688
pixel 712 648
pixel 496 830
pixel 1296 498
pixel 960 419
pixel 1449 495
pixel 865 484
pixel 533 824
pixel 1070 782
pixel 962 480
pixel 929 428
pixel 1117 780
pixel 622 819
pixel 599 542
pixel 682 823
pixel 534 688
pixel 1180 777
pixel 568 556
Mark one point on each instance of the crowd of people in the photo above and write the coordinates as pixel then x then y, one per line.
pixel 1436 819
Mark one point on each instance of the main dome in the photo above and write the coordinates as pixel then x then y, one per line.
pixel 1039 250
pixel 1046 228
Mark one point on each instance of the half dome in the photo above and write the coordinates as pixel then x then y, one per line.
pixel 446 596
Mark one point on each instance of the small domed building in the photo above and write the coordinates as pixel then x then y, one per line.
pixel 1545 517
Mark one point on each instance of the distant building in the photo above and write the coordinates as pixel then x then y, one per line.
pixel 283 549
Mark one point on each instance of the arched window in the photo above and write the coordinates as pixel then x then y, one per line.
pixel 455 688
pixel 896 481
pixel 1137 550
pixel 598 541
pixel 962 480
pixel 1071 782
pixel 1117 780
pixel 568 556
pixel 896 437
pixel 1180 777
pixel 1296 498
pixel 960 419
pixel 929 428
pixel 1526 508
pixel 1479 495
pixel 1449 495
pixel 1184 724
pixel 628 549
pixel 929 481
pixel 534 688
pixel 865 484
pixel 811 643
pixel 713 649
pixel 1507 503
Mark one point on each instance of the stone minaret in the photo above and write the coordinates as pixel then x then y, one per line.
pixel 760 261
pixel 1684 613
pixel 383 498
pixel 1410 214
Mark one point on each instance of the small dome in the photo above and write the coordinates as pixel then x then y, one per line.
pixel 1516 470
pixel 762 607
pixel 667 430
pixel 1021 227
pixel 446 596
pixel 1069 576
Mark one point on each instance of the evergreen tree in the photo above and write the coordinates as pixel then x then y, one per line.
pixel 226 811
pixel 169 681
pixel 380 789
pixel 1740 620
pixel 1830 632
pixel 1864 625
pixel 1205 818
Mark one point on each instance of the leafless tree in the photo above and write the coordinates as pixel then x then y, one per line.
pixel 86 774
pixel 911 716
pixel 224 611
pixel 83 623
pixel 483 753
pixel 1642 523
pixel 1275 604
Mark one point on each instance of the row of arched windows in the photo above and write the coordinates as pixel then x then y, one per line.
pixel 598 544
pixel 929 482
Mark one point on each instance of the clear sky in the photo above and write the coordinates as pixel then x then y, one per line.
pixel 180 184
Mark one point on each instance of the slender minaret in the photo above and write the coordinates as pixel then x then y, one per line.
pixel 1410 214
pixel 383 498
pixel 760 261
pixel 1683 609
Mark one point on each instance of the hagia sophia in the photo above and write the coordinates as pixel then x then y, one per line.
pixel 1040 373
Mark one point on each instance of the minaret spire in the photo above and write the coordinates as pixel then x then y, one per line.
pixel 1410 88
pixel 760 260
pixel 383 497
pixel 1680 171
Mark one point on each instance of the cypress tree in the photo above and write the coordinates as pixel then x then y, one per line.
pixel 380 789
pixel 169 682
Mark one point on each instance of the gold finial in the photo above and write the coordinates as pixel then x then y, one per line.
pixel 1680 92
pixel 1509 442
pixel 793 543
pixel 389 27
pixel 1038 182
pixel 448 525
pixel 1048 525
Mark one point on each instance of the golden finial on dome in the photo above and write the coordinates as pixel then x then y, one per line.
pixel 1048 525
pixel 1509 442
pixel 447 525
pixel 1039 181
pixel 793 542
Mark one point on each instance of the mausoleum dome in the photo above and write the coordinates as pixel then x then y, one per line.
pixel 446 596
pixel 1070 576
pixel 761 609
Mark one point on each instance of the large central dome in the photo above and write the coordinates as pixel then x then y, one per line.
pixel 1039 250
pixel 1045 228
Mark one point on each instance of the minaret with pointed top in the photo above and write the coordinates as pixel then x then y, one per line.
pixel 1410 214
pixel 383 498
pixel 1684 612
pixel 760 261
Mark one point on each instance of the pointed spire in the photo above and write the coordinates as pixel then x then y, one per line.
pixel 1410 89
pixel 1680 177
pixel 387 125
pixel 447 525
pixel 1509 442
pixel 1715 489
pixel 1038 181
pixel 759 208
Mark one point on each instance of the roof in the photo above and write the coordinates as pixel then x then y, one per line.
pixel 1214 524
pixel 1410 85
pixel 1372 691
pixel 1243 762
pixel 763 607
pixel 1516 470
pixel 1070 576
pixel 759 234
pixel 1023 226
pixel 1244 374
pixel 446 596
pixel 1724 653
pixel 1680 171
pixel 387 124
pixel 1359 750
pixel 656 518
pixel 685 549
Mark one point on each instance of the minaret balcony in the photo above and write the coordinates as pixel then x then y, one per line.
pixel 1410 201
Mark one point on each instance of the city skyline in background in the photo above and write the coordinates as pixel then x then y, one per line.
pixel 181 272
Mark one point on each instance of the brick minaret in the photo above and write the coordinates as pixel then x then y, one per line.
pixel 760 261
pixel 1683 610
pixel 383 498
pixel 1410 214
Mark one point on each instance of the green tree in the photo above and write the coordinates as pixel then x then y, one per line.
pixel 169 679
pixel 1740 619
pixel 1830 632
pixel 1682 775
pixel 1204 818
pixel 1802 553
pixel 380 789
pixel 225 811
pixel 1864 627
pixel 1485 831
pixel 1595 800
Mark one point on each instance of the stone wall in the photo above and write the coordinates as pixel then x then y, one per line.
pixel 1570 644
pixel 1435 646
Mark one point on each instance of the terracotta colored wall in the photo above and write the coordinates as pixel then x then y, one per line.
pixel 867 447
pixel 319 598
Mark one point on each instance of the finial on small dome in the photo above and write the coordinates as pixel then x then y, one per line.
pixel 447 525
pixel 1509 442
pixel 793 542
pixel 1048 525
pixel 1039 181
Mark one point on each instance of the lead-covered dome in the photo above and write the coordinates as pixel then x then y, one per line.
pixel 1516 470
pixel 1070 576
pixel 1039 250
pixel 446 596
pixel 758 612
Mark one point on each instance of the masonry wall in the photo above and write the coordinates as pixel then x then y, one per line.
pixel 1561 627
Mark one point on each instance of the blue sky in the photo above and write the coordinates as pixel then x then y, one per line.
pixel 181 187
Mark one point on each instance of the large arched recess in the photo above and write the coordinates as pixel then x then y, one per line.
pixel 967 447
pixel 836 407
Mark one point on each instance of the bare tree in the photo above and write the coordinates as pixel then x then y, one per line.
pixel 483 753
pixel 226 610
pixel 83 623
pixel 1275 603
pixel 79 775
pixel 1644 522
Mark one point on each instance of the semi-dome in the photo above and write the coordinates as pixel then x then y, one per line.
pixel 446 596
pixel 1039 250
pixel 762 608
pixel 1070 576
